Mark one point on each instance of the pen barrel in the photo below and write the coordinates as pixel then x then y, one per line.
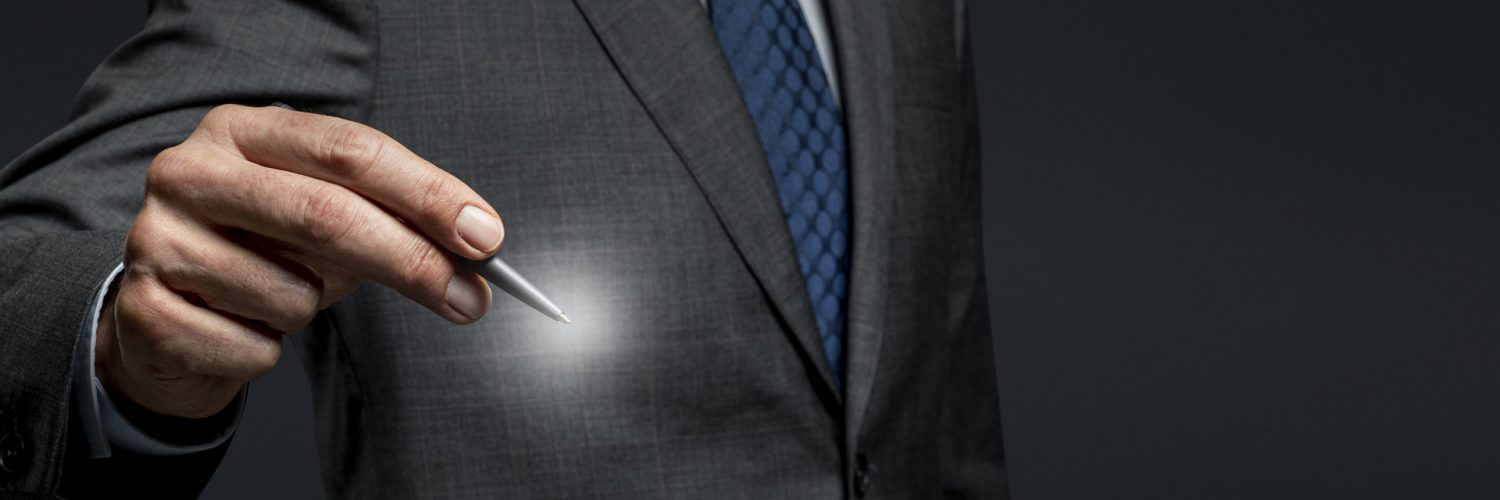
pixel 504 277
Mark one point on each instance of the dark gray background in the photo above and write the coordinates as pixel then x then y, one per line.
pixel 1243 250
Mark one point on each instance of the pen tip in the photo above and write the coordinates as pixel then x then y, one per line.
pixel 564 319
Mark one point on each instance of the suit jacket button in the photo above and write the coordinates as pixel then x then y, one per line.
pixel 14 457
pixel 862 472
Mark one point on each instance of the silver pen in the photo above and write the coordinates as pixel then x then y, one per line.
pixel 504 277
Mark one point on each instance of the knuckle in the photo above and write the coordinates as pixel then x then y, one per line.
pixel 306 306
pixel 141 241
pixel 224 121
pixel 142 313
pixel 262 357
pixel 168 169
pixel 438 199
pixel 224 112
pixel 132 314
pixel 328 214
pixel 350 149
pixel 136 309
pixel 155 245
pixel 296 308
pixel 426 269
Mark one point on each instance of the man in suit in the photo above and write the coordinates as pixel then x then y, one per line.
pixel 761 214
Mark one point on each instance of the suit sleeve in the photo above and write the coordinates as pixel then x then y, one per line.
pixel 973 432
pixel 66 204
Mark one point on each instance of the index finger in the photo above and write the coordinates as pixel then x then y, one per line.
pixel 368 162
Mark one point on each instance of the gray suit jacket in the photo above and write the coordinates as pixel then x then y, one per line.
pixel 613 140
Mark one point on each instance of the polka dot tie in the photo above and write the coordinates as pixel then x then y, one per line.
pixel 776 65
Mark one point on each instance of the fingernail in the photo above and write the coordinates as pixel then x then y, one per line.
pixel 479 229
pixel 466 297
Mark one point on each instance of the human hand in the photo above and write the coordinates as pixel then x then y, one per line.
pixel 262 218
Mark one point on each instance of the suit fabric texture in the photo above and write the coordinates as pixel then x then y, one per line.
pixel 612 138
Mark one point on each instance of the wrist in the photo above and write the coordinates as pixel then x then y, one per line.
pixel 179 430
pixel 190 396
pixel 144 430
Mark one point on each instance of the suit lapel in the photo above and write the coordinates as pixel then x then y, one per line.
pixel 862 41
pixel 669 56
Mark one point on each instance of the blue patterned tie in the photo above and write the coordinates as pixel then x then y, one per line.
pixel 776 65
